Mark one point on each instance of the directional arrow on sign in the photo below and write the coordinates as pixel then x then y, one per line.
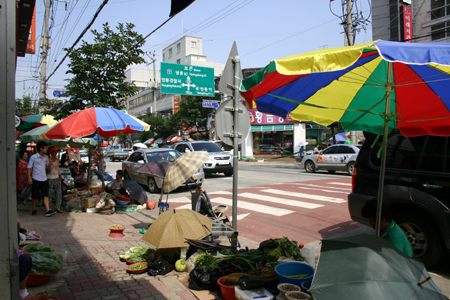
pixel 188 80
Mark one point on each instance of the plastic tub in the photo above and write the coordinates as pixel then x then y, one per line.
pixel 116 232
pixel 123 198
pixel 119 202
pixel 37 279
pixel 260 294
pixel 305 285
pixel 227 291
pixel 294 268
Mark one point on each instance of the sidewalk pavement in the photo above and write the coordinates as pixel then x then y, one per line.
pixel 93 270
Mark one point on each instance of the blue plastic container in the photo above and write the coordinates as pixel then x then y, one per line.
pixel 306 285
pixel 119 202
pixel 294 268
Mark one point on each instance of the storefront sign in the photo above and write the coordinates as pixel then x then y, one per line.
pixel 407 24
pixel 176 103
pixel 259 118
pixel 31 43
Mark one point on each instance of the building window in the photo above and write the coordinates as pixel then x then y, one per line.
pixel 394 20
pixel 194 44
pixel 440 9
pixel 164 56
pixel 179 61
pixel 170 52
pixel 178 47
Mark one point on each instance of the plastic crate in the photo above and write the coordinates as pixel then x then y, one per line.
pixel 126 208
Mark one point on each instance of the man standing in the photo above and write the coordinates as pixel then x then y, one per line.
pixel 37 176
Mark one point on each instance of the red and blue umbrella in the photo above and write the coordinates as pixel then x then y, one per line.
pixel 354 85
pixel 373 87
pixel 102 121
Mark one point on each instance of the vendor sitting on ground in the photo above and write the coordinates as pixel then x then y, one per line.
pixel 389 229
pixel 117 184
pixel 81 180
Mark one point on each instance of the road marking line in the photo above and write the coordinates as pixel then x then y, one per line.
pixel 186 206
pixel 264 209
pixel 239 217
pixel 318 189
pixel 280 200
pixel 322 186
pixel 307 196
pixel 180 200
pixel 221 193
pixel 340 183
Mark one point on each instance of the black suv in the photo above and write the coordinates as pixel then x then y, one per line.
pixel 417 187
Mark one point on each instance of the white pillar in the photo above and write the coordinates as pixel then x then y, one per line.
pixel 247 145
pixel 299 136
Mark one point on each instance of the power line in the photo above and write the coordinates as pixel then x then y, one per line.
pixel 79 38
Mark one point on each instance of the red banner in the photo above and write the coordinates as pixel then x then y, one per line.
pixel 259 118
pixel 407 24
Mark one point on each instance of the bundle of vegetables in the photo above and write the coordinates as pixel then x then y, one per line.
pixel 40 249
pixel 250 259
pixel 139 254
pixel 285 247
pixel 206 261
pixel 48 263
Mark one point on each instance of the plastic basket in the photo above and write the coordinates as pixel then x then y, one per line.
pixel 37 279
pixel 294 268
pixel 227 291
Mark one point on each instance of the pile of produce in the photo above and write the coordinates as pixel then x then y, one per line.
pixel 117 227
pixel 45 261
pixel 263 272
pixel 138 254
pixel 138 267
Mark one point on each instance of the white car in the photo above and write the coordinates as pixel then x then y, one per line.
pixel 84 156
pixel 340 157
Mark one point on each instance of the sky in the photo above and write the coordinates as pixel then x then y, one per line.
pixel 263 30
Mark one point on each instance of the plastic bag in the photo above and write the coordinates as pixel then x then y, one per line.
pixel 160 266
pixel 31 245
pixel 190 261
pixel 74 205
pixel 203 279
pixel 48 263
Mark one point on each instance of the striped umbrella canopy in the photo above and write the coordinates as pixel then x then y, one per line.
pixel 106 122
pixel 404 85
pixel 32 121
pixel 372 87
pixel 183 168
pixel 36 135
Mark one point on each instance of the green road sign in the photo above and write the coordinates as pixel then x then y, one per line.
pixel 187 80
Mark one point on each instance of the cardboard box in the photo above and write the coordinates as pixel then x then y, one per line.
pixel 89 202
pixel 95 190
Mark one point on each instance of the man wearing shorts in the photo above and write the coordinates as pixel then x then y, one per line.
pixel 37 176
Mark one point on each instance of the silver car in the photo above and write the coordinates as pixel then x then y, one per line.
pixel 340 157
pixel 141 156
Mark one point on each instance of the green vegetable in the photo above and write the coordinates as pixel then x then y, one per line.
pixel 297 276
pixel 180 265
pixel 248 259
pixel 40 249
pixel 275 254
pixel 48 263
pixel 138 267
pixel 136 259
pixel 290 248
pixel 206 261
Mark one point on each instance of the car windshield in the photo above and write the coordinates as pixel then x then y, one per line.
pixel 210 147
pixel 163 156
pixel 84 154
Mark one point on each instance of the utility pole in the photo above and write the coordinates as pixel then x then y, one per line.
pixel 349 35
pixel 154 82
pixel 45 48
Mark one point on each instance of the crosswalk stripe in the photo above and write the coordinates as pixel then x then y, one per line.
pixel 179 200
pixel 319 189
pixel 321 186
pixel 186 206
pixel 221 193
pixel 264 209
pixel 340 183
pixel 280 200
pixel 307 196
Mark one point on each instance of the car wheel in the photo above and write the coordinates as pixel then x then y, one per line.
pixel 424 237
pixel 351 168
pixel 228 174
pixel 310 167
pixel 126 176
pixel 151 184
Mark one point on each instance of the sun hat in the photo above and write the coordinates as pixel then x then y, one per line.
pixel 53 149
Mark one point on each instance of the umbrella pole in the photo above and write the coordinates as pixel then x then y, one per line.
pixel 389 86
pixel 100 161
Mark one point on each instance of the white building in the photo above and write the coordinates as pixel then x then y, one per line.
pixel 142 78
pixel 189 51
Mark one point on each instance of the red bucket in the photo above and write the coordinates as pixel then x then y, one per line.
pixel 37 279
pixel 227 291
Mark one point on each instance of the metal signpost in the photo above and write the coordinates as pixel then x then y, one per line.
pixel 187 80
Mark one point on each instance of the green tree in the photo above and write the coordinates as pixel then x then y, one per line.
pixel 192 113
pixel 162 126
pixel 24 107
pixel 98 70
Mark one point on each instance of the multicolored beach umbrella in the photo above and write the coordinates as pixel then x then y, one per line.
pixel 33 121
pixel 352 85
pixel 106 122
